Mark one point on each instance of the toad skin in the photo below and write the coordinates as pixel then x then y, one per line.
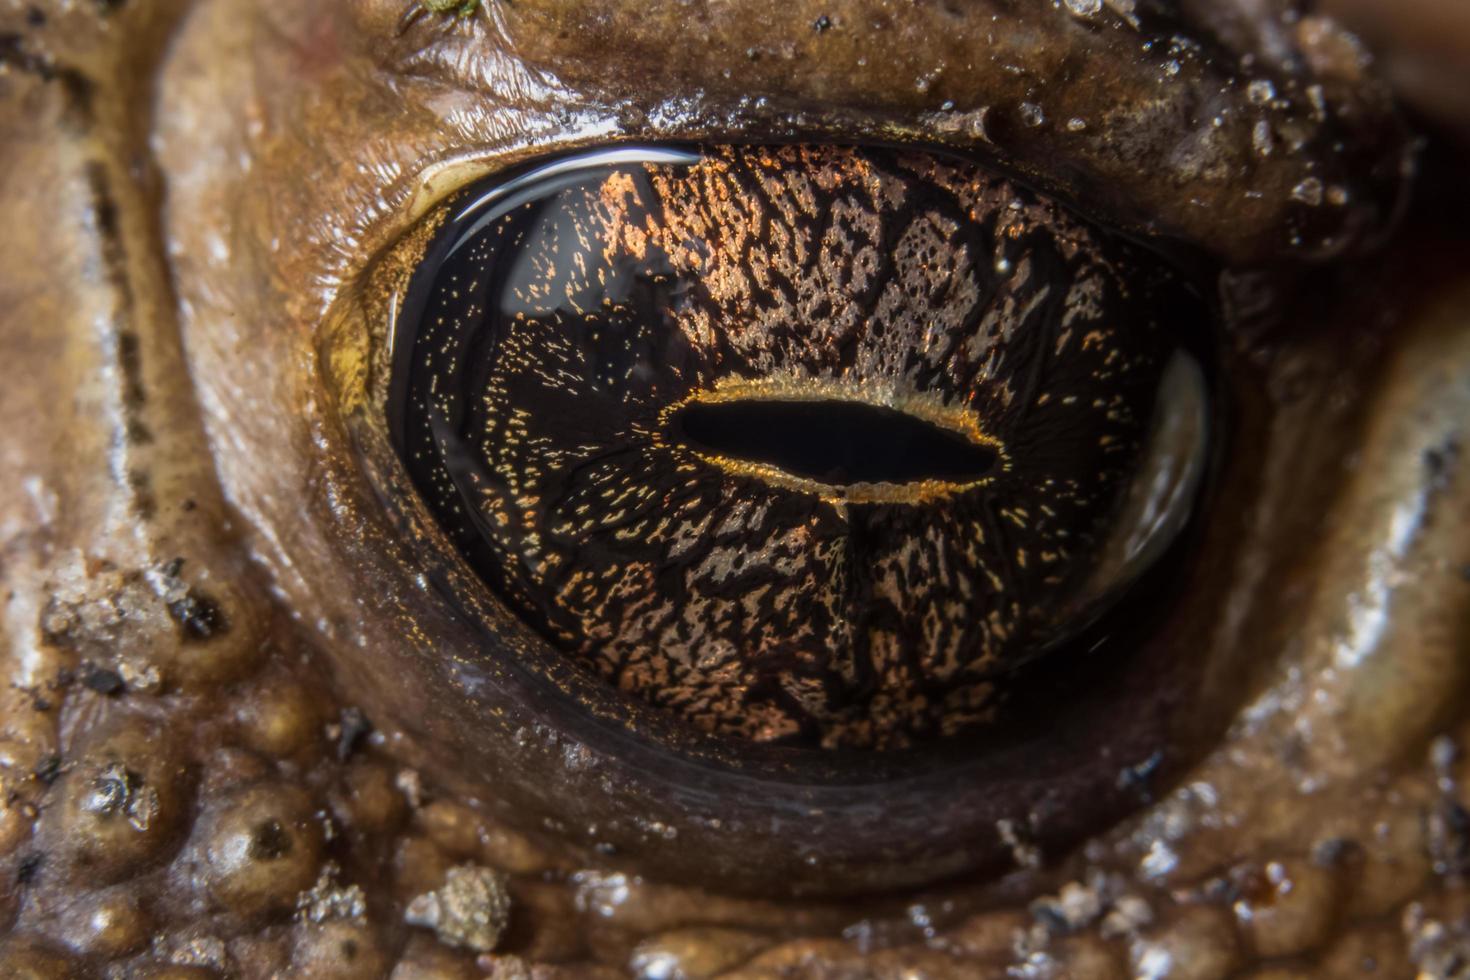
pixel 226 748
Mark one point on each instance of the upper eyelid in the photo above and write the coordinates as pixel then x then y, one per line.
pixel 1310 170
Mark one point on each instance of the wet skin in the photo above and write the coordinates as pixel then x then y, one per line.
pixel 215 581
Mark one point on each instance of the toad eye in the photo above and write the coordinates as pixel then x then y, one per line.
pixel 824 446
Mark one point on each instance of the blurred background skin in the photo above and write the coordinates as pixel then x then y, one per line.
pixel 1423 47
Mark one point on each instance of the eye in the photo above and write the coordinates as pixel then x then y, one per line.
pixel 1206 563
pixel 787 516
pixel 812 445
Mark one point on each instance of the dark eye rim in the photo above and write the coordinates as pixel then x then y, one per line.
pixel 846 800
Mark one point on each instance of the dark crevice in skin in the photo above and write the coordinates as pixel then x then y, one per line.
pixel 122 333
pixel 17 54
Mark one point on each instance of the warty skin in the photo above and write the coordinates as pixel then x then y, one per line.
pixel 200 578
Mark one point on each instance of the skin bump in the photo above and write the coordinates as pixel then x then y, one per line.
pixel 204 819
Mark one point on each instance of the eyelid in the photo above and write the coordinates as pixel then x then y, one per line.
pixel 1252 163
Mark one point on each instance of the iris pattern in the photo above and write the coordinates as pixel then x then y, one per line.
pixel 799 444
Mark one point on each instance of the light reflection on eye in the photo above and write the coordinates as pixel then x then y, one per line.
pixel 814 445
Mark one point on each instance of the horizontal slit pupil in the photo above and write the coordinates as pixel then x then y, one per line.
pixel 831 441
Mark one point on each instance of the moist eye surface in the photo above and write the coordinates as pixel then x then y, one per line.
pixel 802 444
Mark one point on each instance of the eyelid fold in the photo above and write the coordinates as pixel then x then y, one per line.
pixel 1255 146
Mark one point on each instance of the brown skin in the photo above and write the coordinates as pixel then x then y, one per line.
pixel 191 272
pixel 1424 49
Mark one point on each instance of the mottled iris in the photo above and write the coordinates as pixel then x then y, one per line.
pixel 812 444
